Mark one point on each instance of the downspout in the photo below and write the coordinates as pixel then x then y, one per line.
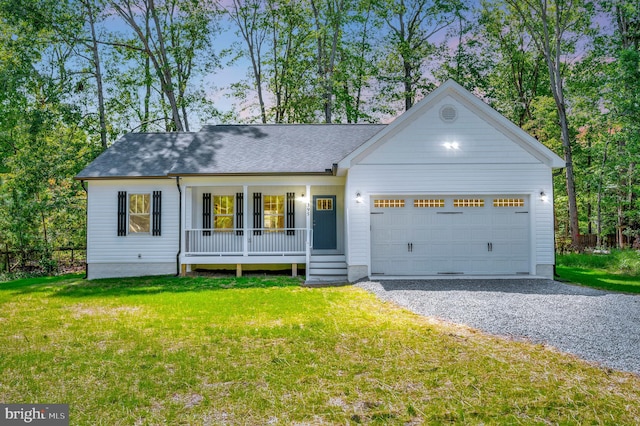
pixel 86 233
pixel 179 226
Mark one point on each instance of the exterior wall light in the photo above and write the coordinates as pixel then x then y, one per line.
pixel 451 145
pixel 359 199
pixel 544 197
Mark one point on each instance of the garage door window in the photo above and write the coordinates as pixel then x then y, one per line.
pixel 428 203
pixel 508 202
pixel 388 203
pixel 468 202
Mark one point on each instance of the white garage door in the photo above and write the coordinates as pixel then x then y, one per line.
pixel 445 235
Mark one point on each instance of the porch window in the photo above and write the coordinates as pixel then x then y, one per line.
pixel 139 213
pixel 273 215
pixel 223 206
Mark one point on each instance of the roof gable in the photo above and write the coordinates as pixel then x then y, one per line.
pixel 480 134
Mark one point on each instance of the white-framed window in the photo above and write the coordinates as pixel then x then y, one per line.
pixel 273 212
pixel 139 213
pixel 223 209
pixel 324 204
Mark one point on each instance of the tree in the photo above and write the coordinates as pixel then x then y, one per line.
pixel 355 69
pixel 250 20
pixel 518 76
pixel 93 46
pixel 411 25
pixel 622 99
pixel 329 17
pixel 555 26
pixel 41 144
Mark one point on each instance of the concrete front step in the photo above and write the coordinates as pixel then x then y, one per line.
pixel 328 258
pixel 319 280
pixel 327 272
pixel 327 265
pixel 325 269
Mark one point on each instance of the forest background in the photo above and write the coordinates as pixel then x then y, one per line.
pixel 78 74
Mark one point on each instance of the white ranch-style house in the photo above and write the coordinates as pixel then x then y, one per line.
pixel 450 188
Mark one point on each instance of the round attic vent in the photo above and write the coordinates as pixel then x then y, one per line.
pixel 448 113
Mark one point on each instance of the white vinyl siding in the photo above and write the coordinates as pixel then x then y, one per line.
pixel 425 141
pixel 103 243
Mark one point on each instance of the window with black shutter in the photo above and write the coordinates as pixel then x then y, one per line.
pixel 156 214
pixel 206 213
pixel 291 213
pixel 257 213
pixel 122 213
pixel 139 213
pixel 239 213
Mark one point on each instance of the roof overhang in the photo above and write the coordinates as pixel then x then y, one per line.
pixel 328 172
pixel 86 178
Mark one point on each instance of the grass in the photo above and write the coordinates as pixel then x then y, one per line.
pixel 260 351
pixel 617 271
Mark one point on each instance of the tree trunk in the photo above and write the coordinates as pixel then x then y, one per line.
pixel 159 60
pixel 599 196
pixel 408 87
pixel 167 85
pixel 98 75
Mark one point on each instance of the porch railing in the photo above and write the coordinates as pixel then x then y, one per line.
pixel 259 241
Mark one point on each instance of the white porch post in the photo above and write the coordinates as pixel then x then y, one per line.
pixel 187 202
pixel 308 225
pixel 245 220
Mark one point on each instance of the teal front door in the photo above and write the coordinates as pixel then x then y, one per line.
pixel 324 222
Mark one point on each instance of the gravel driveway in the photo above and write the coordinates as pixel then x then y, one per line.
pixel 592 324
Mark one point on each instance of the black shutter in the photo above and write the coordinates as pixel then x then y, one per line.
pixel 239 213
pixel 257 213
pixel 206 213
pixel 291 213
pixel 122 213
pixel 157 213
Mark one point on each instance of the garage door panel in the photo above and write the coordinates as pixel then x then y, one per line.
pixel 436 250
pixel 492 237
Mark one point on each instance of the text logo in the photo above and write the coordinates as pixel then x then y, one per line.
pixel 34 414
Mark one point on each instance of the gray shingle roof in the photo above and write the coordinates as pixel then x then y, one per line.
pixel 139 155
pixel 232 149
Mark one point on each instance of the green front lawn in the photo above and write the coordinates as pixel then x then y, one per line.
pixel 599 278
pixel 266 351
pixel 616 271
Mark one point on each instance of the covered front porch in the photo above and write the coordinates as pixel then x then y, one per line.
pixel 272 222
